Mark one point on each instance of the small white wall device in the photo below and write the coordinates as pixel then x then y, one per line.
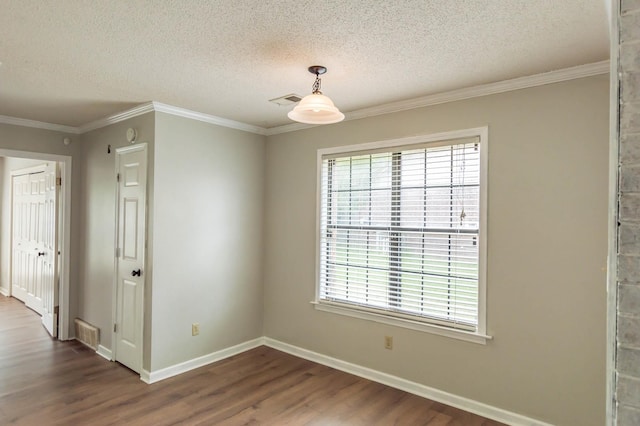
pixel 131 134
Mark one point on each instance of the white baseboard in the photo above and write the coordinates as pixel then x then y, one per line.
pixel 443 397
pixel 183 367
pixel 462 403
pixel 4 291
pixel 105 353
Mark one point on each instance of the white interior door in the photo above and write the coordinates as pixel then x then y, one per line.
pixel 131 165
pixel 29 233
pixel 49 246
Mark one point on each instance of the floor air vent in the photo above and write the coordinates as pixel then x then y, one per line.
pixel 87 333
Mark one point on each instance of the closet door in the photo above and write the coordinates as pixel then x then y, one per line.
pixel 131 168
pixel 29 219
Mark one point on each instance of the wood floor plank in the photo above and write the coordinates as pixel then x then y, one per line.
pixel 48 382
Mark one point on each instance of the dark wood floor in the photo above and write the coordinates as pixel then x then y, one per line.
pixel 47 382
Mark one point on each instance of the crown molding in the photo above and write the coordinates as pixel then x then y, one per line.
pixel 550 77
pixel 580 71
pixel 116 118
pixel 135 112
pixel 4 119
pixel 211 119
pixel 285 128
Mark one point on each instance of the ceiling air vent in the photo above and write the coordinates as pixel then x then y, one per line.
pixel 286 99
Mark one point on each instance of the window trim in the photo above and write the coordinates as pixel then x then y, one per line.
pixel 478 336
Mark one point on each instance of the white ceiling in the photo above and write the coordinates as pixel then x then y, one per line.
pixel 71 62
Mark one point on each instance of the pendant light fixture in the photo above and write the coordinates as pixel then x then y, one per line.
pixel 316 108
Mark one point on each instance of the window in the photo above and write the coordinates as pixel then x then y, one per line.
pixel 401 235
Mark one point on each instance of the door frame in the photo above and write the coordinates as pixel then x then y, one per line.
pixel 64 231
pixel 116 263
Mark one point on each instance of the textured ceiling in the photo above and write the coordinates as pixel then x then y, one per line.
pixel 74 61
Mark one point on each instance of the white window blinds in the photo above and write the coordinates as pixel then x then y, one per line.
pixel 399 231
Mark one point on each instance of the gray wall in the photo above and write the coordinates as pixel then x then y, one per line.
pixel 204 248
pixel 96 261
pixel 33 141
pixel 207 239
pixel 208 245
pixel 547 242
pixel 628 304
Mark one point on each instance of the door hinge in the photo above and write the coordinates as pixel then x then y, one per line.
pixel 118 252
pixel 59 181
pixel 114 328
pixel 118 177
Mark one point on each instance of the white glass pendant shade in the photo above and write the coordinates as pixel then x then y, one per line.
pixel 316 109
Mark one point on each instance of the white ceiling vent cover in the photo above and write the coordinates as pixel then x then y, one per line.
pixel 286 99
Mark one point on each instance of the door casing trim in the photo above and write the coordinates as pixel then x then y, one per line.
pixel 64 233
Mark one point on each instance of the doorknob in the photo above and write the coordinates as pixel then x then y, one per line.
pixel 40 253
pixel 136 273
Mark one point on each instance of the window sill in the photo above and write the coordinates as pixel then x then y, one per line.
pixel 467 336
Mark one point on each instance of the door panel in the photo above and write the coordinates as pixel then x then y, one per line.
pixel 128 318
pixel 130 232
pixel 132 184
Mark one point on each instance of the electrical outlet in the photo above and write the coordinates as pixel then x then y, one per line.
pixel 388 342
pixel 195 329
